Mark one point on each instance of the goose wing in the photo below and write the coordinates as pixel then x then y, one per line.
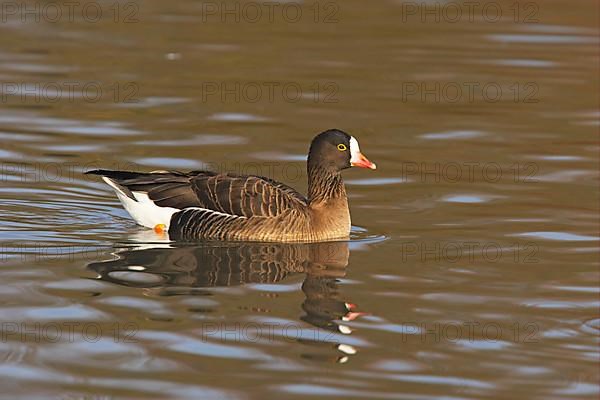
pixel 245 196
pixel 236 195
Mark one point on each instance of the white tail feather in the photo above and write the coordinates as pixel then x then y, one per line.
pixel 144 211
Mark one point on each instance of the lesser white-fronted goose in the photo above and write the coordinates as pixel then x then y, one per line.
pixel 210 205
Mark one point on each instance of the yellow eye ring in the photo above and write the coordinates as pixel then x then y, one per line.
pixel 342 147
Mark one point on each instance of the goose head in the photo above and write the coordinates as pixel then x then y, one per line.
pixel 336 150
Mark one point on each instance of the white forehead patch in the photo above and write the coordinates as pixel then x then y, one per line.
pixel 354 150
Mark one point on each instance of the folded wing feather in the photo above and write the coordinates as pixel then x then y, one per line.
pixel 153 198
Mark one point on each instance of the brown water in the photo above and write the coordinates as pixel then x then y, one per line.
pixel 473 266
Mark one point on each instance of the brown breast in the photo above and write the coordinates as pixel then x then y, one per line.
pixel 331 219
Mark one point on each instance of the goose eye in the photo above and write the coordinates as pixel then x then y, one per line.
pixel 341 147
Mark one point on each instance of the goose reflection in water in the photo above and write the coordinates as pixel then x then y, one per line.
pixel 182 269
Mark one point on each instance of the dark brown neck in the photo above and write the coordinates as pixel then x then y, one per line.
pixel 324 185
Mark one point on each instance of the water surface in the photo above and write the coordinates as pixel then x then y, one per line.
pixel 472 271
